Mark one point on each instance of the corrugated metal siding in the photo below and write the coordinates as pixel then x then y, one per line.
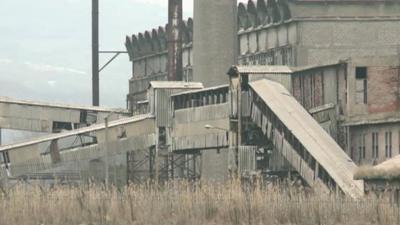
pixel 162 104
pixel 330 86
pixel 163 108
pixel 247 159
pixel 189 131
pixel 309 88
pixel 307 92
pixel 318 89
pixel 296 85
pixel 203 113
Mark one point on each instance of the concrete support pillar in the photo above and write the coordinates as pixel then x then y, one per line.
pixel 214 40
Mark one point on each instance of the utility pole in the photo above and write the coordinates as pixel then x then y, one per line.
pixel 95 53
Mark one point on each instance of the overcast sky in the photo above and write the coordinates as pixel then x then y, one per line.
pixel 45 47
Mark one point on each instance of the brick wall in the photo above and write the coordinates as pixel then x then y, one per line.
pixel 383 89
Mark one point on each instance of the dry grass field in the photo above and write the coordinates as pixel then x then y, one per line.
pixel 186 203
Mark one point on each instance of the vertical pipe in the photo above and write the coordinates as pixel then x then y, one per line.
pixel 95 53
pixel 175 70
pixel 1 137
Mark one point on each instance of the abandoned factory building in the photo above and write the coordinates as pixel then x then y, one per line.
pixel 339 59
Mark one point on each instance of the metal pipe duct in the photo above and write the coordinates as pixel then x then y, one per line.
pixel 175 70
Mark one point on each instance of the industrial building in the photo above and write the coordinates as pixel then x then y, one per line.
pixel 356 41
pixel 269 88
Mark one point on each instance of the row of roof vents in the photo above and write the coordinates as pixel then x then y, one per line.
pixel 250 15
pixel 155 41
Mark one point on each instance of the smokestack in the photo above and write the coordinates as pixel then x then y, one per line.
pixel 95 53
pixel 214 40
pixel 175 40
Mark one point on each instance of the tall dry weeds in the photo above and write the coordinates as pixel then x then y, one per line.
pixel 187 203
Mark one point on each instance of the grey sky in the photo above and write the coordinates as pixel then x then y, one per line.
pixel 45 49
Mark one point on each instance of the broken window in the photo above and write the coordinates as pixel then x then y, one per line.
pixel 388 144
pixel 361 85
pixel 60 126
pixel 162 137
pixel 375 145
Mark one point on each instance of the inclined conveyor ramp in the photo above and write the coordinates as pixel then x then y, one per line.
pixel 301 140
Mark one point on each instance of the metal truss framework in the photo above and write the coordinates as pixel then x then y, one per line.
pixel 147 165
